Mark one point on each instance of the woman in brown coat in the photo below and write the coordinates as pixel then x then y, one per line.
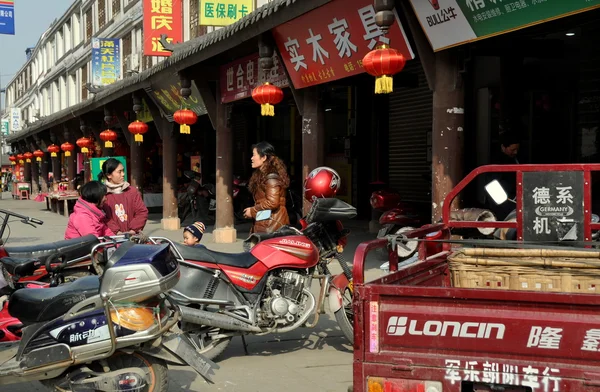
pixel 268 185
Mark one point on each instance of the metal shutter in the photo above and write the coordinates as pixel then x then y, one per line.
pixel 410 122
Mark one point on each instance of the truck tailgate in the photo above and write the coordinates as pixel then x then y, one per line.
pixel 542 341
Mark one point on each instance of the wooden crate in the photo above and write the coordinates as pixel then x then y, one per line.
pixel 547 270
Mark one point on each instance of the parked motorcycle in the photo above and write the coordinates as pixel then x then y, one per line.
pixel 111 334
pixel 266 290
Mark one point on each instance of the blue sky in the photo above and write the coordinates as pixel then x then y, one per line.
pixel 32 18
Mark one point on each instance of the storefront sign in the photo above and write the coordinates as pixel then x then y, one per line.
pixel 106 61
pixel 330 42
pixel 240 77
pixel 553 207
pixel 7 17
pixel 165 94
pixel 161 17
pixel 15 120
pixel 5 130
pixel 454 22
pixel 144 115
pixel 223 12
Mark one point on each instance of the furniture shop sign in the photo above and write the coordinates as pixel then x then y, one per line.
pixel 106 61
pixel 449 23
pixel 553 207
pixel 329 43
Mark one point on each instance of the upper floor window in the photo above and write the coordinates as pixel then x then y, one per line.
pixel 89 24
pixel 101 13
pixel 116 7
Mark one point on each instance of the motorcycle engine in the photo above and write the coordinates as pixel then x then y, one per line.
pixel 283 298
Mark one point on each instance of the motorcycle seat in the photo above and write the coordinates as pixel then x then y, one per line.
pixel 72 249
pixel 37 305
pixel 20 266
pixel 239 260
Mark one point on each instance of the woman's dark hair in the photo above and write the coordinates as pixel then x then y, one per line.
pixel 93 192
pixel 109 166
pixel 273 164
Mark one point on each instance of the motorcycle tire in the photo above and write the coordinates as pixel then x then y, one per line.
pixel 155 368
pixel 345 321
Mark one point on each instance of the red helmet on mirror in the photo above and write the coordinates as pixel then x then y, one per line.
pixel 322 182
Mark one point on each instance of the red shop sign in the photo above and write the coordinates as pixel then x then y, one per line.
pixel 161 17
pixel 239 77
pixel 329 43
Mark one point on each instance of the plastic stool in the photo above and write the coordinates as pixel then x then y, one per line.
pixel 24 194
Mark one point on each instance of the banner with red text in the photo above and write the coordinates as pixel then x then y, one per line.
pixel 161 17
pixel 329 43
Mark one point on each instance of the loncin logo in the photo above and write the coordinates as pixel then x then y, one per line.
pixel 400 326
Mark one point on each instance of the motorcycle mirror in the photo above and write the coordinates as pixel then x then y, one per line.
pixel 595 218
pixel 496 192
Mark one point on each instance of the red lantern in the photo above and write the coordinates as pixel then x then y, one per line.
pixel 109 136
pixel 138 128
pixel 185 118
pixel 28 156
pixel 84 143
pixel 12 159
pixel 38 154
pixel 20 158
pixel 67 148
pixel 383 63
pixel 267 95
pixel 53 149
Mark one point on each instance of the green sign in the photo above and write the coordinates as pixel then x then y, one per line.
pixel 96 165
pixel 4 128
pixel 453 22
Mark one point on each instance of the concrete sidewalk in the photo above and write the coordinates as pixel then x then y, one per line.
pixel 318 359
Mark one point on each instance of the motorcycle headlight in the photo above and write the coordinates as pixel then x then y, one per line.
pixel 133 318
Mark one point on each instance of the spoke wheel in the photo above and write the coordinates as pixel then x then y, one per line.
pixel 345 315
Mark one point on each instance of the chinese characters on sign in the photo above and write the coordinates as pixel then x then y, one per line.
pixel 223 12
pixel 7 17
pixel 453 22
pixel 545 379
pixel 106 61
pixel 330 42
pixel 161 17
pixel 553 206
pixel 15 120
pixel 166 95
pixel 240 77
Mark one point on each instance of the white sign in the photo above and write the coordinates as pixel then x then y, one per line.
pixel 15 120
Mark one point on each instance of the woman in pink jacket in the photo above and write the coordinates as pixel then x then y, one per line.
pixel 88 217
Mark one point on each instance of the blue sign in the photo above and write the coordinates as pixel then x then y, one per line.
pixel 7 17
pixel 106 61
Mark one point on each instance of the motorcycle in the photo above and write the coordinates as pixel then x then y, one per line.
pixel 29 261
pixel 117 333
pixel 267 289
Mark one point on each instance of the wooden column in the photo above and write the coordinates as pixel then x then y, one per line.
pixel 43 165
pixel 448 123
pixel 136 159
pixel 55 161
pixel 71 161
pixel 224 225
pixel 313 133
pixel 166 131
pixel 35 172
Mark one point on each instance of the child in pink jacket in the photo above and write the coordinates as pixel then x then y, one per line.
pixel 88 217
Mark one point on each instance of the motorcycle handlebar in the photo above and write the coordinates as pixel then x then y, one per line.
pixel 22 217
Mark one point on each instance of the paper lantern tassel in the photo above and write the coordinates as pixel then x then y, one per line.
pixel 139 138
pixel 184 128
pixel 266 109
pixel 53 155
pixel 384 84
pixel 84 150
pixel 67 153
pixel 108 144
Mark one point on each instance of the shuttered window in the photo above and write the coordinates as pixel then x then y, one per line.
pixel 101 13
pixel 84 79
pixel 116 7
pixel 89 25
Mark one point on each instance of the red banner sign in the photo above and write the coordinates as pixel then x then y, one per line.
pixel 239 77
pixel 330 42
pixel 161 17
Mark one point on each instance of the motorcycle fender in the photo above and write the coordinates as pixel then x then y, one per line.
pixel 336 300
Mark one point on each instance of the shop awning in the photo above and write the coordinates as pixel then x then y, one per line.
pixel 185 55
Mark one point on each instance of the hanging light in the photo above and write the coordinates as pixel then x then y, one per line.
pixel 67 148
pixel 138 128
pixel 85 144
pixel 109 136
pixel 38 154
pixel 20 158
pixel 383 63
pixel 185 118
pixel 12 159
pixel 53 149
pixel 28 156
pixel 267 95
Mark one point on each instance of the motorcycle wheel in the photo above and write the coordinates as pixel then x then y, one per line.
pixel 156 369
pixel 345 315
pixel 207 346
